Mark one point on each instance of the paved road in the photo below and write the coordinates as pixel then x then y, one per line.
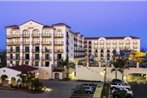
pixel 139 90
pixel 60 89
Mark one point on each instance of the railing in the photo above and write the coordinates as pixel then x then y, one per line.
pixel 58 43
pixel 35 58
pixel 25 35
pixel 35 35
pixel 16 35
pixel 16 43
pixel 46 35
pixel 25 42
pixel 46 42
pixel 58 35
pixel 35 42
pixel 9 36
pixel 59 51
pixel 46 58
pixel 33 50
pixel 46 50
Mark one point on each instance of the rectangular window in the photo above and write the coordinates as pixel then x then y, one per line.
pixel 26 62
pixel 47 64
pixel 17 49
pixel 27 56
pixel 36 63
pixel 11 56
pixel 37 49
pixel 17 63
pixel 17 56
pixel 37 56
pixel 27 49
pixel 47 56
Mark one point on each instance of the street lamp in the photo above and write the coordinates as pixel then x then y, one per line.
pixel 105 76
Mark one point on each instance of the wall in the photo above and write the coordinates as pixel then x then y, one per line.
pixel 97 73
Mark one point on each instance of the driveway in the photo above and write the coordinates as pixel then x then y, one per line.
pixel 59 89
pixel 139 90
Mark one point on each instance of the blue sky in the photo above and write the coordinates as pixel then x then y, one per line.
pixel 89 18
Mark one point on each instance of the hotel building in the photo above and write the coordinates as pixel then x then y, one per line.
pixel 102 48
pixel 39 45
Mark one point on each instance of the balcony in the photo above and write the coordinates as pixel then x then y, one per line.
pixel 57 59
pixel 17 51
pixel 16 58
pixel 25 58
pixel 46 35
pixel 79 56
pixel 35 35
pixel 58 35
pixel 58 43
pixel 35 42
pixel 35 50
pixel 59 51
pixel 9 36
pixel 9 58
pixel 46 50
pixel 46 58
pixel 9 50
pixel 26 42
pixel 35 58
pixel 16 43
pixel 25 50
pixel 79 50
pixel 16 35
pixel 10 43
pixel 46 42
pixel 25 35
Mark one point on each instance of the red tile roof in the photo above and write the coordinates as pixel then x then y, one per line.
pixel 23 68
pixel 61 24
pixel 93 38
pixel 133 37
pixel 31 20
pixel 47 26
pixel 12 26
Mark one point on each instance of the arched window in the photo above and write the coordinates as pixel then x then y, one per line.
pixel 36 32
pixel 59 32
pixel 25 32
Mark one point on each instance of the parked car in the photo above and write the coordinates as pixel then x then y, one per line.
pixel 120 85
pixel 114 81
pixel 122 93
pixel 141 80
pixel 89 85
pixel 81 89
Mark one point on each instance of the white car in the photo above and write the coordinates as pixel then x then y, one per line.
pixel 120 85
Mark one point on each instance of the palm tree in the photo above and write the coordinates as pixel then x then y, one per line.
pixel 2 59
pixel 117 67
pixel 67 64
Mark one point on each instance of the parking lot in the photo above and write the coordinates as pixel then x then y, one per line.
pixel 59 89
pixel 139 90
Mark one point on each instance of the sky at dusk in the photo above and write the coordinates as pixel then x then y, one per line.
pixel 90 18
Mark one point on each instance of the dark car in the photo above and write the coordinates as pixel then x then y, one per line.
pixel 115 81
pixel 122 93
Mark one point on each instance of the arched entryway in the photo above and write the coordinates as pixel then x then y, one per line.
pixel 13 82
pixel 57 76
pixel 4 80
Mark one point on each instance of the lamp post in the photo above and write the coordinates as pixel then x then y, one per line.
pixel 105 78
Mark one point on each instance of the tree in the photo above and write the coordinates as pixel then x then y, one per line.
pixel 117 67
pixel 67 64
pixel 26 79
pixel 3 59
pixel 120 61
